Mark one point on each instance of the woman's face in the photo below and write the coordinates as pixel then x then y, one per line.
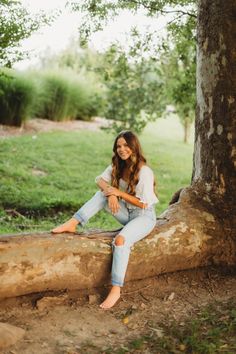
pixel 123 149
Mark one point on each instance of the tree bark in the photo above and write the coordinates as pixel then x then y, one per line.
pixel 214 170
pixel 215 139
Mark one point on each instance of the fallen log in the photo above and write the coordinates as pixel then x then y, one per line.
pixel 185 236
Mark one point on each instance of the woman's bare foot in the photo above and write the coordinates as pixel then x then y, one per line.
pixel 112 298
pixel 68 226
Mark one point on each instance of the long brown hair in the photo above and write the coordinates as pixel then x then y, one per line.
pixel 118 165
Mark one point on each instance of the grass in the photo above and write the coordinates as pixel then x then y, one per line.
pixel 48 176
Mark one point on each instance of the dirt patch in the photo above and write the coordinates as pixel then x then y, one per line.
pixel 37 125
pixel 68 323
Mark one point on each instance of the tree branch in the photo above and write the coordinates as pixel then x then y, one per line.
pixel 158 9
pixel 179 11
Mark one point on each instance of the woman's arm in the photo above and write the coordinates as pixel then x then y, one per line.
pixel 102 184
pixel 132 200
pixel 113 202
pixel 126 196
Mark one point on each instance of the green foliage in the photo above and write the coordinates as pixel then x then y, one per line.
pixel 97 13
pixel 179 71
pixel 63 95
pixel 78 68
pixel 76 61
pixel 130 89
pixel 86 99
pixel 17 97
pixel 54 97
pixel 81 60
pixel 16 24
pixel 134 86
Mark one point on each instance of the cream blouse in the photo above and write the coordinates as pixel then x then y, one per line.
pixel 144 190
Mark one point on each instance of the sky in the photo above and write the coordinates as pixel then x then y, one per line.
pixel 57 36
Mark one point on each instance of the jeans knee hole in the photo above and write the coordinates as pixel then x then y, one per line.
pixel 119 241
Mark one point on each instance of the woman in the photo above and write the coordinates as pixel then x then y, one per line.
pixel 126 191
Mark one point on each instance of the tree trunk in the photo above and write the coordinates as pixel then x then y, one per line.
pixel 198 229
pixel 215 140
pixel 214 171
pixel 187 126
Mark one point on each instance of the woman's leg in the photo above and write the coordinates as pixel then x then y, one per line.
pixel 90 208
pixel 135 230
pixel 68 226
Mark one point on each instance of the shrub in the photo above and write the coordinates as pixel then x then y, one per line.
pixel 91 100
pixel 17 97
pixel 53 97
pixel 65 97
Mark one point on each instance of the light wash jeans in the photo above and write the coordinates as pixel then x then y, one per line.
pixel 137 222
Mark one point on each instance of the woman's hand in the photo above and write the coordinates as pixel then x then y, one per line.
pixel 112 191
pixel 112 195
pixel 113 204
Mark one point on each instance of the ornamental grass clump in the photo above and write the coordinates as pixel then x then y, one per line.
pixel 17 97
pixel 65 96
pixel 54 96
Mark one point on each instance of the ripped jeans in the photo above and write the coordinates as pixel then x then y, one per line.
pixel 137 222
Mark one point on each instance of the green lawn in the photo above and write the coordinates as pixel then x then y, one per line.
pixel 46 177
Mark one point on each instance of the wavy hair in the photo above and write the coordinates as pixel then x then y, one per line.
pixel 118 165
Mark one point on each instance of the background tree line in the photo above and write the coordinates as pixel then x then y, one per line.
pixel 130 87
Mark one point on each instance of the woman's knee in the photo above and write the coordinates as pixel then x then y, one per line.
pixel 100 194
pixel 119 240
pixel 100 197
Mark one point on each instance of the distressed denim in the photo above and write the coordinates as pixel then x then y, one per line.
pixel 137 222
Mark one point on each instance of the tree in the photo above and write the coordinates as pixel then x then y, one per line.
pixel 205 210
pixel 134 88
pixel 16 24
pixel 215 140
pixel 77 57
pixel 179 72
pixel 149 95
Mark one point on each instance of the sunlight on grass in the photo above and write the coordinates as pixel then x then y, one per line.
pixel 47 176
pixel 168 128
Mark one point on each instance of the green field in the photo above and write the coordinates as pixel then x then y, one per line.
pixel 46 177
